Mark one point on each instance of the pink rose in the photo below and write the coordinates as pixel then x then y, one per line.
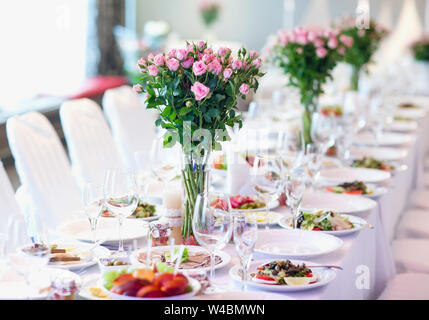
pixel 188 62
pixel 181 54
pixel 311 36
pixel 142 62
pixel 199 68
pixel 227 73
pixel 257 63
pixel 302 39
pixel 200 91
pixel 172 64
pixel 158 59
pixel 341 50
pixel 146 96
pixel 208 51
pixel 332 43
pixel 138 88
pixel 215 67
pixel 253 54
pixel 348 41
pixel 318 43
pixel 207 58
pixel 222 51
pixel 172 53
pixel 190 48
pixel 150 57
pixel 153 70
pixel 299 50
pixel 244 88
pixel 321 52
pixel 237 64
pixel 201 45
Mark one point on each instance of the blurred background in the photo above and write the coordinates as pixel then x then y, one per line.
pixel 54 50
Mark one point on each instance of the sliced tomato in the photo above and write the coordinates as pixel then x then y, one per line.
pixel 316 229
pixel 354 192
pixel 260 268
pixel 309 275
pixel 330 189
pixel 264 277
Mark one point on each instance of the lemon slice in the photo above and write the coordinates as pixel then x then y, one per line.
pixel 297 281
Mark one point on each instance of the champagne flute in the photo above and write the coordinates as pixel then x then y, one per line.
pixel 295 187
pixel 93 200
pixel 266 178
pixel 211 223
pixel 120 197
pixel 245 236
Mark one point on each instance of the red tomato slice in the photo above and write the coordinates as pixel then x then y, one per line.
pixel 309 275
pixel 316 229
pixel 330 189
pixel 354 192
pixel 264 277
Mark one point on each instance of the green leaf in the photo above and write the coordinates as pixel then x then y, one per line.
pixel 166 111
pixel 184 111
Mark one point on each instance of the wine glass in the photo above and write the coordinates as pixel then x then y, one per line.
pixel 266 179
pixel 323 131
pixel 165 161
pixel 295 187
pixel 120 197
pixel 143 172
pixel 93 200
pixel 245 236
pixel 313 158
pixel 211 223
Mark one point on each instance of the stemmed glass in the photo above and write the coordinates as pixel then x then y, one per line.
pixel 323 131
pixel 313 158
pixel 164 161
pixel 120 196
pixel 245 236
pixel 295 187
pixel 211 223
pixel 266 179
pixel 93 200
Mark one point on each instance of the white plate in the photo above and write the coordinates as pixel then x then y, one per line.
pixel 107 229
pixel 14 287
pixel 412 113
pixel 377 191
pixel 381 153
pixel 243 295
pixel 295 243
pixel 341 175
pixel 192 282
pixel 93 282
pixel 358 223
pixel 324 276
pixel 274 217
pixel 273 205
pixel 386 139
pixel 402 126
pixel 226 258
pixel 83 248
pixel 341 203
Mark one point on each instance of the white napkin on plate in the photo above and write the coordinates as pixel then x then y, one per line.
pixel 238 171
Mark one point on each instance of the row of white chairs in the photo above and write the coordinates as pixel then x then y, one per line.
pixel 50 184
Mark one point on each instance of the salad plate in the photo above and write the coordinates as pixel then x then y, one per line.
pixel 295 243
pixel 75 256
pixel 345 174
pixel 107 230
pixel 356 224
pixel 341 203
pixel 145 212
pixel 250 204
pixel 368 190
pixel 194 257
pixel 381 153
pixel 387 139
pixel 315 276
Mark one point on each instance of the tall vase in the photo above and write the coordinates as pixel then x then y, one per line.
pixel 354 80
pixel 306 119
pixel 195 178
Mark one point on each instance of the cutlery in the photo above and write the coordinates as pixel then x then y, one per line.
pixel 326 266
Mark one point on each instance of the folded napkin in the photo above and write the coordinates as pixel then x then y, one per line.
pixel 238 171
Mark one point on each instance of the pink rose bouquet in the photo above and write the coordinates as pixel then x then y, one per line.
pixel 308 57
pixel 193 89
pixel 360 44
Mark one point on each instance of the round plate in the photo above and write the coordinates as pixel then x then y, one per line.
pixel 295 244
pixel 381 153
pixel 412 113
pixel 341 203
pixel 274 217
pixel 93 282
pixel 83 249
pixel 273 205
pixel 386 139
pixel 402 126
pixel 107 229
pixel 192 282
pixel 345 174
pixel 358 223
pixel 377 191
pixel 324 276
pixel 226 258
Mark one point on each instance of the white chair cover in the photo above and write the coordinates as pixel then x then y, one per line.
pixel 411 255
pixel 133 127
pixel 407 286
pixel 414 224
pixel 43 168
pixel 91 147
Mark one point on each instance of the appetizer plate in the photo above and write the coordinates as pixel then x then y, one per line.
pixel 324 276
pixel 376 193
pixel 358 224
pixel 402 126
pixel 381 153
pixel 225 257
pixel 261 218
pixel 295 244
pixel 92 289
pixel 345 174
pixel 192 282
pixel 83 251
pixel 386 139
pixel 341 203
pixel 273 205
pixel 107 229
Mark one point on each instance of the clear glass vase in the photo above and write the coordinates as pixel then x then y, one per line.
pixel 195 178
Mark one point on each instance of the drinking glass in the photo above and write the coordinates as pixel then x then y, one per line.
pixel 295 187
pixel 266 179
pixel 245 236
pixel 120 197
pixel 313 158
pixel 323 131
pixel 211 223
pixel 164 162
pixel 93 200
